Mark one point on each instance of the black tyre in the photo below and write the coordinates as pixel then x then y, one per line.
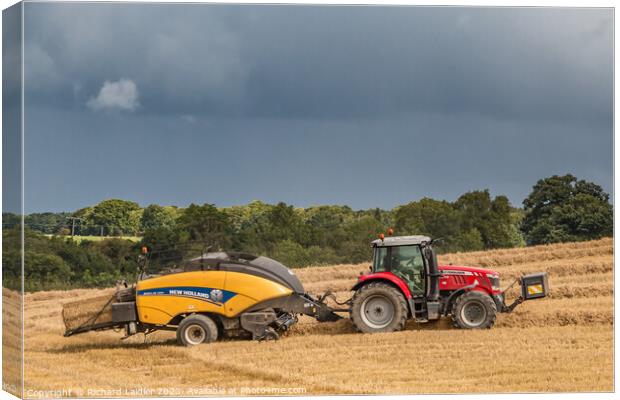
pixel 474 310
pixel 196 329
pixel 378 307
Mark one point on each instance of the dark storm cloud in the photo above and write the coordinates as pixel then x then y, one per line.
pixel 328 62
pixel 79 159
pixel 365 106
pixel 11 103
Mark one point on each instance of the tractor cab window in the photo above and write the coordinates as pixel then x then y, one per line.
pixel 408 264
pixel 381 260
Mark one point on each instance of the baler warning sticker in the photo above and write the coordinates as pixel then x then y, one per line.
pixel 216 296
pixel 535 289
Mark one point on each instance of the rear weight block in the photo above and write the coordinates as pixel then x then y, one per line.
pixel 534 286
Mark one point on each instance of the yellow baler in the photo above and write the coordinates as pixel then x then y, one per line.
pixel 216 295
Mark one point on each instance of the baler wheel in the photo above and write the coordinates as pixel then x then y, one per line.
pixel 196 329
pixel 474 310
pixel 378 307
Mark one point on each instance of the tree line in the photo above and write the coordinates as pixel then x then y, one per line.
pixel 59 263
pixel 560 208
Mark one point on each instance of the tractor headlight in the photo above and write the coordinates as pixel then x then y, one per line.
pixel 494 279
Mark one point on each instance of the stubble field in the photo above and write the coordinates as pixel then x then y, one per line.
pixel 562 343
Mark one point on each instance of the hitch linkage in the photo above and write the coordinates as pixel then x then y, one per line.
pixel 508 309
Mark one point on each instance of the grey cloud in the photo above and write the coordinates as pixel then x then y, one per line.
pixel 176 60
pixel 11 103
pixel 507 63
pixel 334 62
pixel 117 95
pixel 11 54
pixel 42 71
pixel 190 119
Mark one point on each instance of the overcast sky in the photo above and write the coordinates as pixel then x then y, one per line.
pixel 364 106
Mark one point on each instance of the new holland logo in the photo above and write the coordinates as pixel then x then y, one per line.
pixel 217 295
pixel 534 289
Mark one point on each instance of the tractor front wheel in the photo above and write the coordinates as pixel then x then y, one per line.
pixel 378 307
pixel 474 310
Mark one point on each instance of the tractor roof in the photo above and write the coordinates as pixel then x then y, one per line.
pixel 400 241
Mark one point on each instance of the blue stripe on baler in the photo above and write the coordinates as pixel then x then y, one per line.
pixel 202 293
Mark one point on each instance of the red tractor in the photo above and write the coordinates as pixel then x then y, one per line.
pixel 406 282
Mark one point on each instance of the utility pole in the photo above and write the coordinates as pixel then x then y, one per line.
pixel 73 219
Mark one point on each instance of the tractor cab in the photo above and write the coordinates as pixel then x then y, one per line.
pixel 408 266
pixel 407 257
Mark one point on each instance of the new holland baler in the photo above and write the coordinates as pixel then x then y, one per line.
pixel 217 294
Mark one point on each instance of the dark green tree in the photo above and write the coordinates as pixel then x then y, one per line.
pixel 294 255
pixel 205 224
pixel 326 224
pixel 44 270
pixel 10 220
pixel 491 218
pixel 250 224
pixel 115 216
pixel 359 233
pixel 11 256
pixel 563 208
pixel 47 222
pixel 437 219
pixel 284 223
pixel 61 263
pixel 156 216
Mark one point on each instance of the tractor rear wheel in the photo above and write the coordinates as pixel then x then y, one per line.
pixel 378 307
pixel 196 329
pixel 474 310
